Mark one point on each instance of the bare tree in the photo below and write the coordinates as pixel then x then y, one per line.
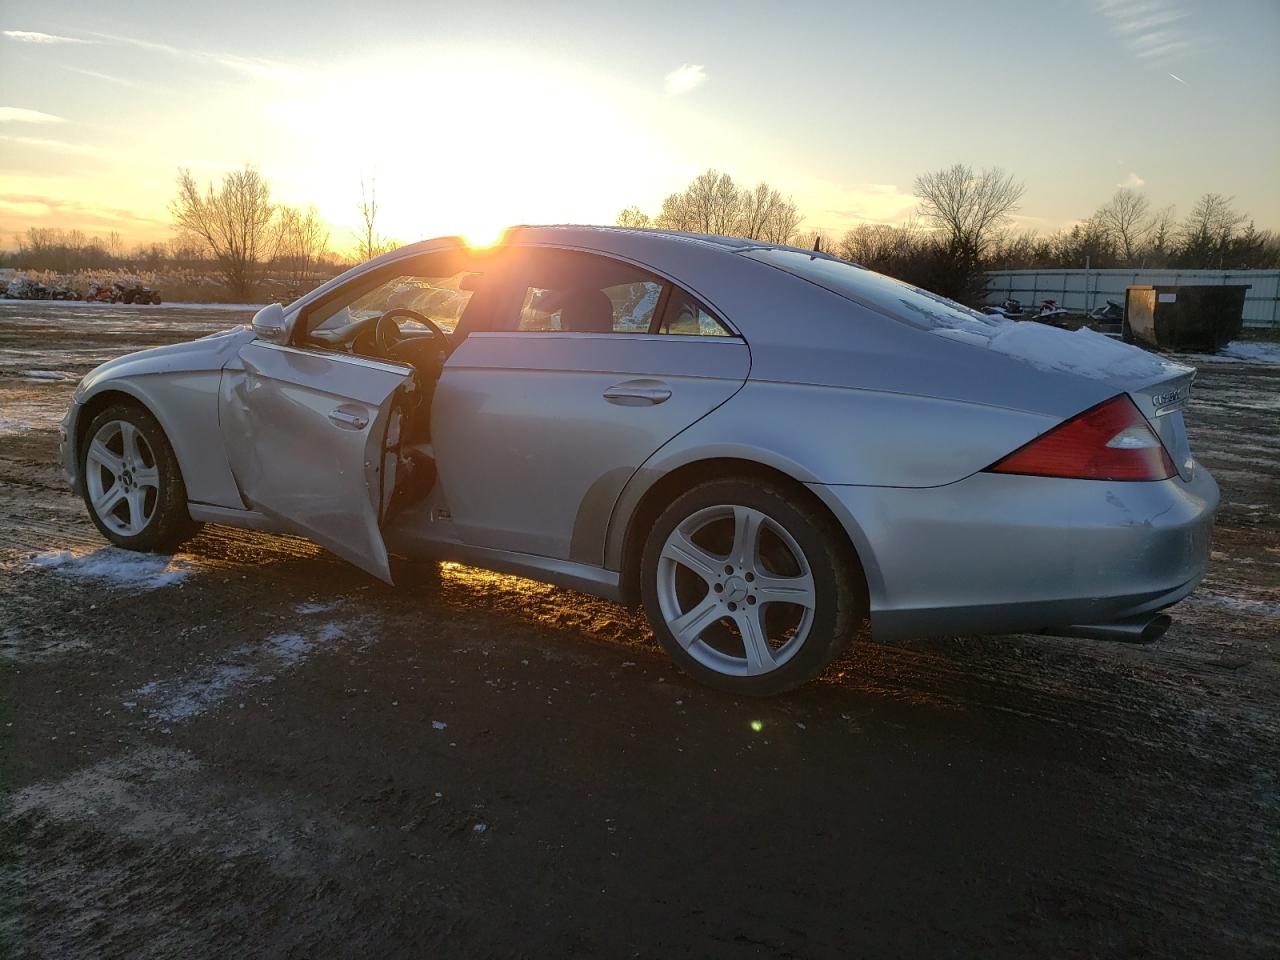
pixel 369 242
pixel 1207 231
pixel 300 239
pixel 755 208
pixel 233 222
pixel 633 217
pixel 783 222
pixel 763 214
pixel 968 206
pixel 879 246
pixel 1164 226
pixel 711 203
pixel 716 202
pixel 1126 217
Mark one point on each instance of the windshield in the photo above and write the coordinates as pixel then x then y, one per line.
pixel 901 301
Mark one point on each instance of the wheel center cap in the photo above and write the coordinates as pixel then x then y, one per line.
pixel 735 589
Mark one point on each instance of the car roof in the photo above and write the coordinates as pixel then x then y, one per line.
pixel 606 239
pixel 606 234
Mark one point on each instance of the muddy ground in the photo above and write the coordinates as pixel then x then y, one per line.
pixel 253 749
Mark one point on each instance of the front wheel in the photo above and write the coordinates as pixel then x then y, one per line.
pixel 749 587
pixel 132 483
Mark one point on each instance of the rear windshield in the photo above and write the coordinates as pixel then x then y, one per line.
pixel 911 305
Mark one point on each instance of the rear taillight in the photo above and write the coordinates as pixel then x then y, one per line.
pixel 1112 441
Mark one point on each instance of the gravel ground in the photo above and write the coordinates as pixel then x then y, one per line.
pixel 251 748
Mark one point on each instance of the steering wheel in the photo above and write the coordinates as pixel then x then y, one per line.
pixel 386 332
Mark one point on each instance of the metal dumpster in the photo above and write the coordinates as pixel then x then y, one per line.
pixel 1199 317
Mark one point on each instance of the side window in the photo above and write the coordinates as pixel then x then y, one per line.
pixel 581 293
pixel 687 317
pixel 438 287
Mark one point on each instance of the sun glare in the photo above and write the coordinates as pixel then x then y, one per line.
pixel 481 235
pixel 486 140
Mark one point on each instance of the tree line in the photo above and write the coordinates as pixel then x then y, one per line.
pixel 234 228
pixel 960 229
pixel 67 251
pixel 714 204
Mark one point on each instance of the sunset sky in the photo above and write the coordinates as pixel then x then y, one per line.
pixel 473 115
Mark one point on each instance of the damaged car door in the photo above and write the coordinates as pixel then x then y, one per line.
pixel 311 437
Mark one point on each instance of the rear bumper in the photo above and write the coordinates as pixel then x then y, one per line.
pixel 1000 554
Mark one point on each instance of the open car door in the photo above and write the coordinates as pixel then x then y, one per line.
pixel 312 439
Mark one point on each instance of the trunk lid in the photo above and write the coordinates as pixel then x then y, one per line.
pixel 1157 385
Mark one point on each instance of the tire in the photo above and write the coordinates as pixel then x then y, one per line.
pixel 132 484
pixel 704 593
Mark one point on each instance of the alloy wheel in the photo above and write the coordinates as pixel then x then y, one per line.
pixel 736 590
pixel 122 478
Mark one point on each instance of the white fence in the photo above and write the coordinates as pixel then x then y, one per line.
pixel 1082 290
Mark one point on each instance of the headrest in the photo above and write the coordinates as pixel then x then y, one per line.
pixel 587 311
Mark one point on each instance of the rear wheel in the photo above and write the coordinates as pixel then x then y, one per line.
pixel 132 484
pixel 749 587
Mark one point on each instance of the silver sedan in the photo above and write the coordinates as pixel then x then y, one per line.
pixel 765 446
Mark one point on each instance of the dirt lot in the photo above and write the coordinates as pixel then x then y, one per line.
pixel 252 748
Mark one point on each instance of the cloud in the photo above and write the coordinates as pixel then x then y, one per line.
pixel 102 76
pixel 684 78
pixel 36 205
pixel 31 36
pixel 1151 29
pixel 250 66
pixel 840 206
pixel 23 115
pixel 60 146
pixel 258 67
pixel 1179 79
pixel 1133 182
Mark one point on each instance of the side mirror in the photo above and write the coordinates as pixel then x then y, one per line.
pixel 270 324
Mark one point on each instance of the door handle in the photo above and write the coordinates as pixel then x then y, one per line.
pixel 638 393
pixel 344 418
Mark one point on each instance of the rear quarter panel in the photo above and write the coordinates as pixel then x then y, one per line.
pixel 834 435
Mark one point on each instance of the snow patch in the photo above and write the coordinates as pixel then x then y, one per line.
pixel 331 632
pixel 1085 352
pixel 49 375
pixel 142 571
pixel 1253 608
pixel 174 701
pixel 1242 351
pixel 182 698
pixel 306 609
pixel 289 648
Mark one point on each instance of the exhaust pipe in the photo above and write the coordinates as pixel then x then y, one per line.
pixel 1136 630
